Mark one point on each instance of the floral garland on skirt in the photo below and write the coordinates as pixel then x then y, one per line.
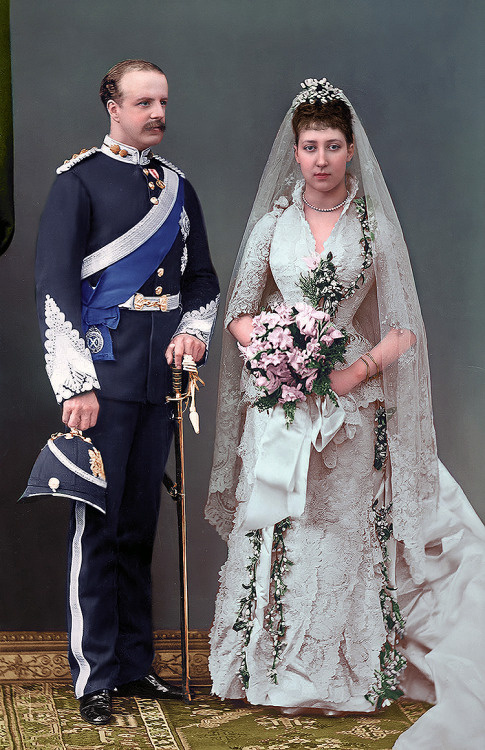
pixel 291 355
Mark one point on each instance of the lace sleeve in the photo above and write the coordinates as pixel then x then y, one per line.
pixel 252 277
pixel 253 284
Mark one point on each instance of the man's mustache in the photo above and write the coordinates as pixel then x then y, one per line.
pixel 155 124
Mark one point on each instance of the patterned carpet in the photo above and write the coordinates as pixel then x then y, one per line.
pixel 44 716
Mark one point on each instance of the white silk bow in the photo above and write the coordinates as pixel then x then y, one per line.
pixel 282 467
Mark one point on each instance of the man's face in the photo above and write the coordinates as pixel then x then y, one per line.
pixel 138 119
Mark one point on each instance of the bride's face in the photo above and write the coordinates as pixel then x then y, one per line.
pixel 323 156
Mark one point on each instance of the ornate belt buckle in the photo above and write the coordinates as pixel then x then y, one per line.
pixel 163 303
pixel 138 301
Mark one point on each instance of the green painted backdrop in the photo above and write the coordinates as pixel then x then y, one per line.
pixel 415 72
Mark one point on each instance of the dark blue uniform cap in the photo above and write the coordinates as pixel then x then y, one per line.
pixel 68 466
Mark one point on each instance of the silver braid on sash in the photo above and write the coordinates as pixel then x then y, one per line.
pixel 137 235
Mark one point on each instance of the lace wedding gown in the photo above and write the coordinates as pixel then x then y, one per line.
pixel 332 608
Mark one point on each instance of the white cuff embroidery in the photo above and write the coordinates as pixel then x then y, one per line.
pixel 199 323
pixel 68 361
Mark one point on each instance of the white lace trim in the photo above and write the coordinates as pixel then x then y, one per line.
pixel 199 323
pixel 68 361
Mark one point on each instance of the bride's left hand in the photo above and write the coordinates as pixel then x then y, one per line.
pixel 343 381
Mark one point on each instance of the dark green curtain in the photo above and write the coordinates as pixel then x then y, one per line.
pixel 6 132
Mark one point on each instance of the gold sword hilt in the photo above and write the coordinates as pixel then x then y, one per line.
pixel 189 366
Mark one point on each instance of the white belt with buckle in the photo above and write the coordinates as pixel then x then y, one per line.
pixel 165 303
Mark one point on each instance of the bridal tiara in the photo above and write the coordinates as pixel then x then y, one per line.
pixel 315 90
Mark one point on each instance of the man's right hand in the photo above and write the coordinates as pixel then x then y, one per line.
pixel 81 412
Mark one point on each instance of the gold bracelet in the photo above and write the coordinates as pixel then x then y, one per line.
pixel 378 372
pixel 366 367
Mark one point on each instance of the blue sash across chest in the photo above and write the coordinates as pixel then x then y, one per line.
pixel 128 262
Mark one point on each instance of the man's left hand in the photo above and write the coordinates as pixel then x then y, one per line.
pixel 182 344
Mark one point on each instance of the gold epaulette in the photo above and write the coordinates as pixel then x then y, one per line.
pixel 76 158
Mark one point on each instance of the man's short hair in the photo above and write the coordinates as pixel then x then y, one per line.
pixel 111 84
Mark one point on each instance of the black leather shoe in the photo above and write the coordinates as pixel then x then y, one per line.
pixel 96 707
pixel 150 686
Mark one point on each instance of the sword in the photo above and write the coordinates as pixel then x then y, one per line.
pixel 179 400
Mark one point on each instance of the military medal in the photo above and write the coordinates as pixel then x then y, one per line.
pixel 156 176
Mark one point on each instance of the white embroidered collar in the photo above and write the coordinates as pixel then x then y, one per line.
pixel 352 184
pixel 125 153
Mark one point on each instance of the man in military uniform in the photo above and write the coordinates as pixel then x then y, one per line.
pixel 125 286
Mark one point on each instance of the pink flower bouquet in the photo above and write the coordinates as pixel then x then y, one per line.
pixel 291 355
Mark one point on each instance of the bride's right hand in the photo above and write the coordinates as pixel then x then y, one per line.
pixel 241 329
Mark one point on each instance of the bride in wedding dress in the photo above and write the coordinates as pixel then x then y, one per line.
pixel 356 566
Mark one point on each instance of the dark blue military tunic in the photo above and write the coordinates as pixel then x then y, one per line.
pixel 97 198
pixel 89 206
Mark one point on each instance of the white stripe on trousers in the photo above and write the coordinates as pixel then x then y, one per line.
pixel 77 621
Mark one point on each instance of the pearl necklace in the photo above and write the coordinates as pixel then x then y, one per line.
pixel 325 210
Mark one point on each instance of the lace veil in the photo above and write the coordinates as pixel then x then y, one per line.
pixel 413 461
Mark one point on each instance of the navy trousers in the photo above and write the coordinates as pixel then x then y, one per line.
pixel 109 562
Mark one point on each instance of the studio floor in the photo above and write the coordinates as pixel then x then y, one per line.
pixel 45 716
